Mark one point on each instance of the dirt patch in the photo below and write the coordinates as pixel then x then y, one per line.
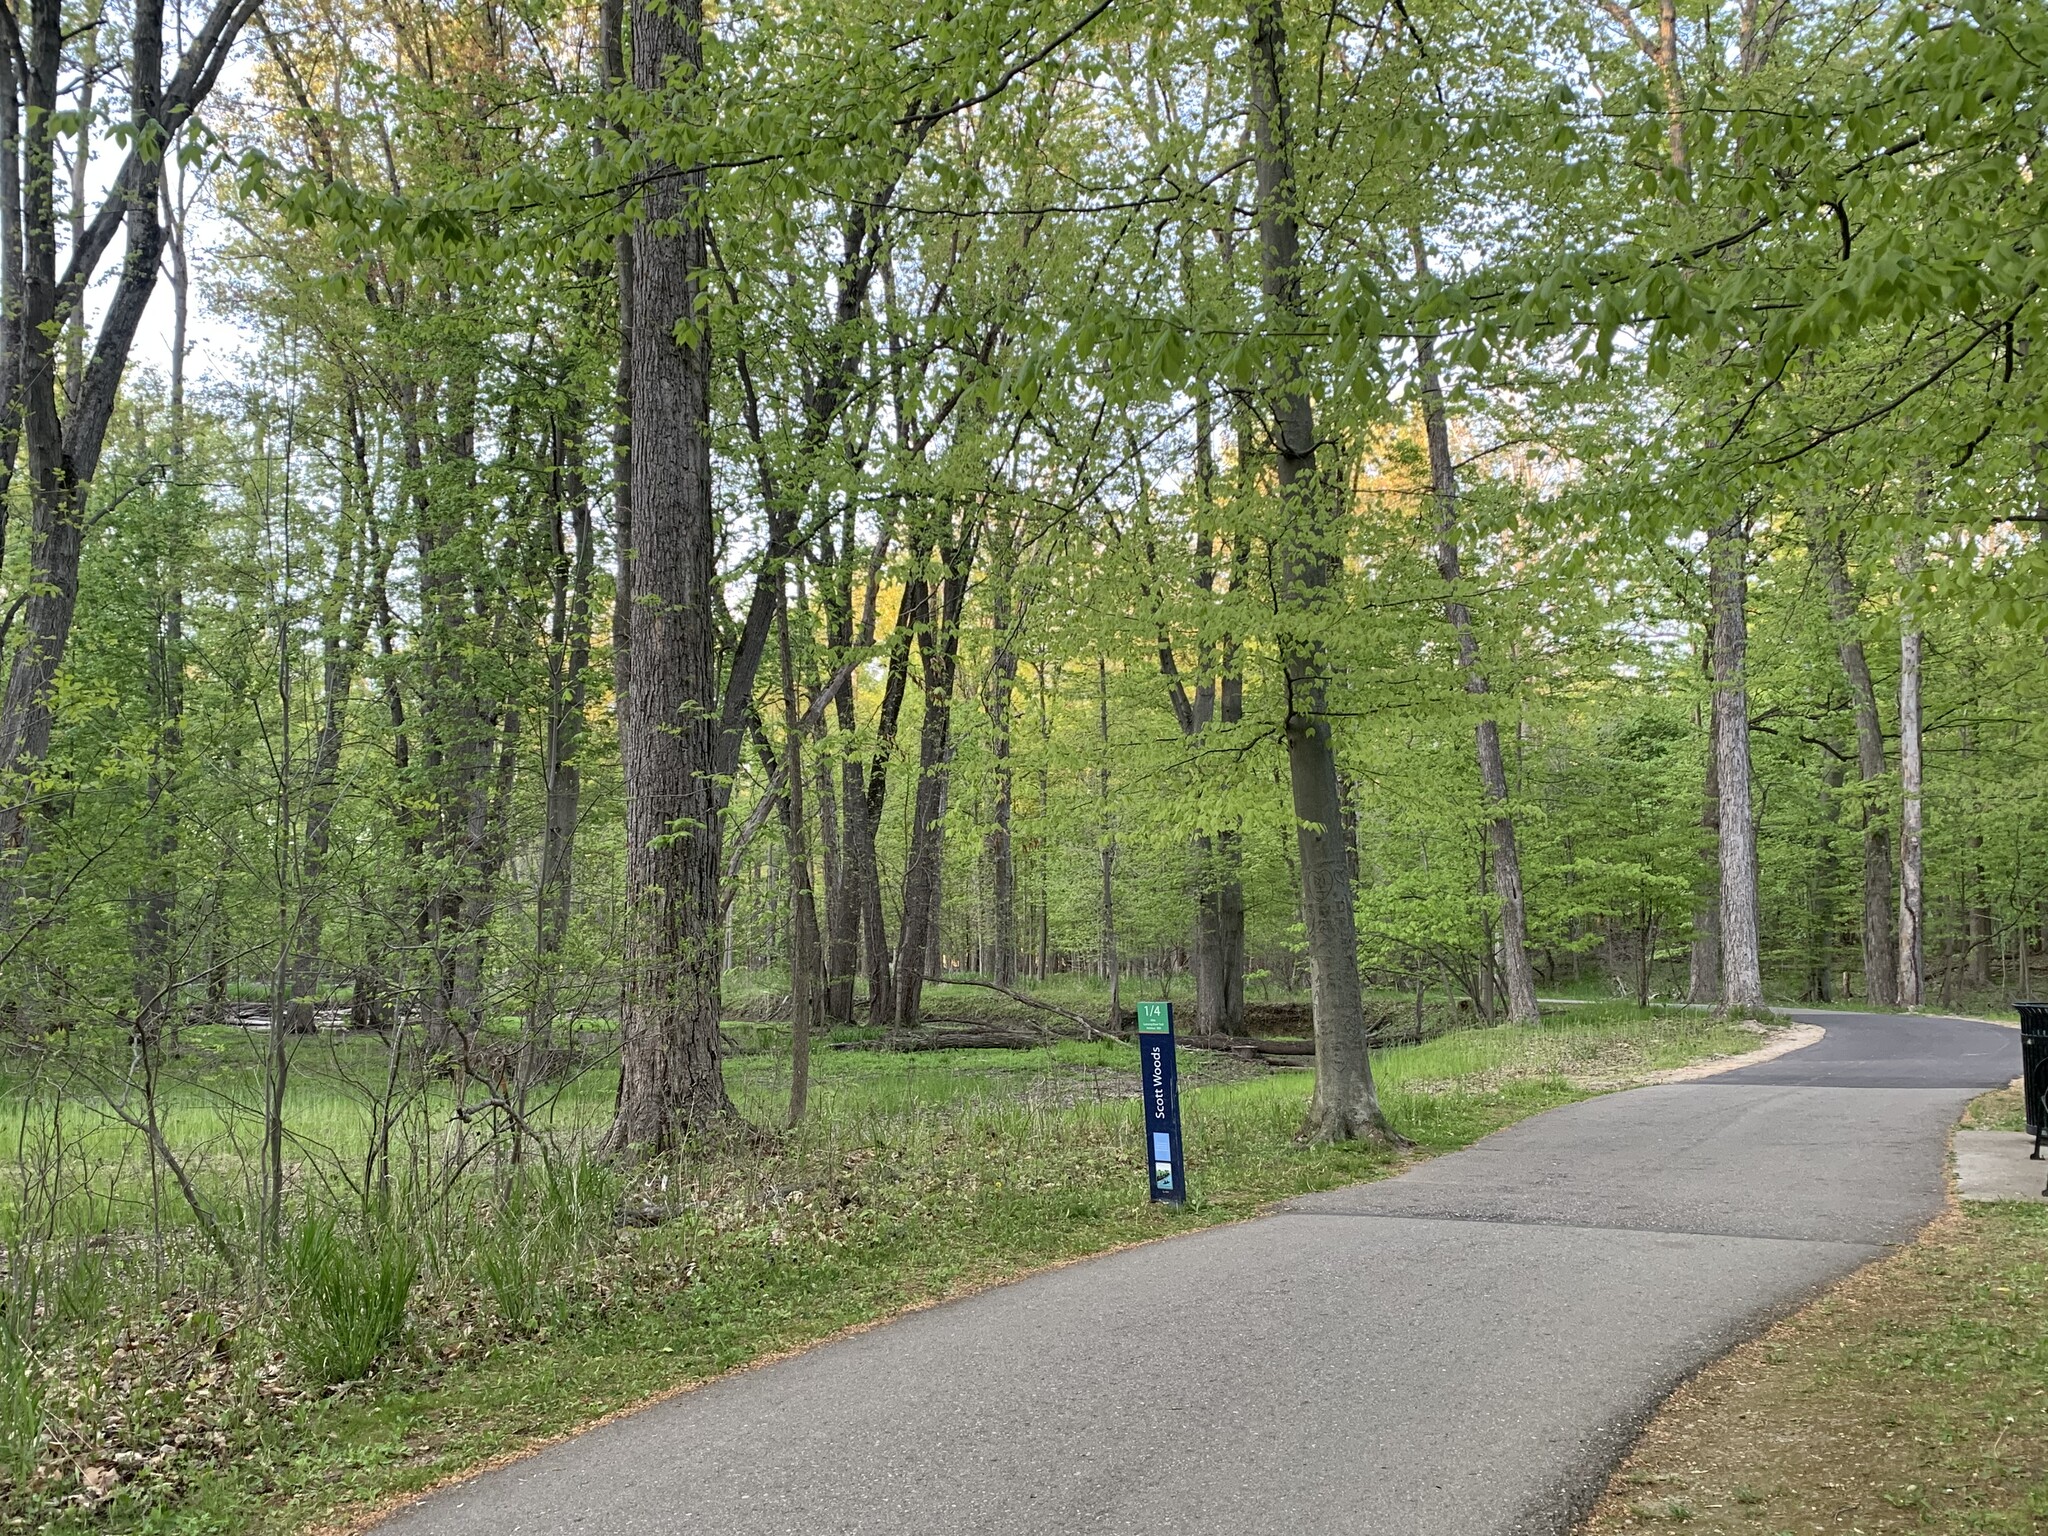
pixel 1913 1397
pixel 1778 1042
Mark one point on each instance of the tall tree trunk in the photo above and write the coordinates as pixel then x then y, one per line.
pixel 1912 897
pixel 671 1079
pixel 935 920
pixel 1880 963
pixel 64 451
pixel 1703 971
pixel 1216 955
pixel 846 910
pixel 873 791
pixel 1977 906
pixel 1742 986
pixel 1001 855
pixel 11 235
pixel 1111 972
pixel 1512 940
pixel 562 727
pixel 1821 934
pixel 838 899
pixel 1346 1106
pixel 487 841
pixel 156 968
pixel 611 28
pixel 459 723
pixel 938 647
pixel 805 980
pixel 864 884
pixel 337 675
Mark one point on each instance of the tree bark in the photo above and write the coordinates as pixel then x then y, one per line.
pixel 805 979
pixel 156 970
pixel 1821 906
pixel 574 560
pixel 64 450
pixel 1346 1105
pixel 872 791
pixel 337 676
pixel 938 647
pixel 850 842
pixel 671 1078
pixel 611 28
pixel 1742 987
pixel 1111 966
pixel 1001 709
pixel 1512 940
pixel 1703 971
pixel 1216 954
pixel 1912 896
pixel 1880 962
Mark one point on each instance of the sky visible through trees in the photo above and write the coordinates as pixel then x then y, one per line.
pixel 1461 502
pixel 532 531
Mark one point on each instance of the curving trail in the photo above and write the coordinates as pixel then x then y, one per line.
pixel 1465 1349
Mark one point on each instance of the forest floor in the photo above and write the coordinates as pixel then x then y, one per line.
pixel 1912 1397
pixel 916 1177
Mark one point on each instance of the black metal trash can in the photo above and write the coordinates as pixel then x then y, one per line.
pixel 2034 1069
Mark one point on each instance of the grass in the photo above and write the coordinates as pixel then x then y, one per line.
pixel 188 1407
pixel 1911 1398
pixel 2000 1110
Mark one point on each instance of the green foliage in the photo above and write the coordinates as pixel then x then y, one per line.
pixel 21 1405
pixel 539 1226
pixel 344 1298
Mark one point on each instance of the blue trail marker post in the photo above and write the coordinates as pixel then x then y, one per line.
pixel 1160 1080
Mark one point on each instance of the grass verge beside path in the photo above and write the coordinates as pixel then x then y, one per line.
pixel 1913 1397
pixel 899 1191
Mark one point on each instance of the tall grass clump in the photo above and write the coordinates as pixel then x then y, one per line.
pixel 345 1299
pixel 521 1257
pixel 21 1406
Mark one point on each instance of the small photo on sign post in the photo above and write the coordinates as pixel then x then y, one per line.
pixel 1159 1082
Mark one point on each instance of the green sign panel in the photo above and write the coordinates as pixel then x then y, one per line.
pixel 1155 1019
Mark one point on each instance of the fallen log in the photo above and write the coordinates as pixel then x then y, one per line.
pixel 991 1039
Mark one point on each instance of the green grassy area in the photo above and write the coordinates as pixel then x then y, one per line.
pixel 2001 1110
pixel 159 1394
pixel 1911 1398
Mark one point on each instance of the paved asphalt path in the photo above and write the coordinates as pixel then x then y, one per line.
pixel 1462 1350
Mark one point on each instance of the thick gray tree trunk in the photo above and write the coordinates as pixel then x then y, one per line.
pixel 670 1077
pixel 1346 1106
pixel 1742 987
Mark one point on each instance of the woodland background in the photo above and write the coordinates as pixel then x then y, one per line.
pixel 663 533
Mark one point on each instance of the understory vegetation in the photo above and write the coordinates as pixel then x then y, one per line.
pixel 630 628
pixel 395 1334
